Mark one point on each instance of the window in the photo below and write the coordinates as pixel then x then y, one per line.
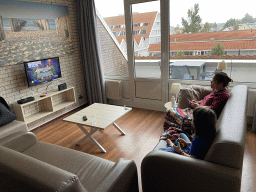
pixel 116 33
pixel 136 25
pixel 196 37
pixel 122 33
pixel 143 31
pixel 137 32
pixel 147 68
pixel 114 52
pixel 197 44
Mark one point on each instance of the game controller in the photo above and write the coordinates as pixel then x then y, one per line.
pixel 179 140
pixel 192 102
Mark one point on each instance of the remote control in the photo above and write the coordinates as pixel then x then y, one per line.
pixel 84 118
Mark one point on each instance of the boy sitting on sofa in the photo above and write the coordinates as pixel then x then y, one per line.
pixel 204 123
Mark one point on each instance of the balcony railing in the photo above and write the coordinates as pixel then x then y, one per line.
pixel 240 70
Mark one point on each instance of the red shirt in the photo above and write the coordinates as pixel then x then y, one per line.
pixel 216 100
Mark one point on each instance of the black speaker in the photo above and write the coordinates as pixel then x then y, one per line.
pixel 62 86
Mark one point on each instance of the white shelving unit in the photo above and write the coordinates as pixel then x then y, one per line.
pixel 43 106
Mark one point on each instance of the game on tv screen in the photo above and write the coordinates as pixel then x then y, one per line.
pixel 42 71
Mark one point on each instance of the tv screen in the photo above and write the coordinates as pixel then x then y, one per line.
pixel 42 71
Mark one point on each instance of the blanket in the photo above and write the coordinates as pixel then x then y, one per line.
pixel 178 120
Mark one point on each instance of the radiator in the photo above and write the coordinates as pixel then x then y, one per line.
pixel 114 89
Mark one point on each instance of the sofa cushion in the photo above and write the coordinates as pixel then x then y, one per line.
pixel 203 91
pixel 90 169
pixel 6 115
pixel 185 96
pixel 193 92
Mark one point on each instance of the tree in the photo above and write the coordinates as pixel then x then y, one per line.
pixel 247 19
pixel 215 26
pixel 207 27
pixel 177 27
pixel 180 53
pixel 194 23
pixel 232 23
pixel 218 49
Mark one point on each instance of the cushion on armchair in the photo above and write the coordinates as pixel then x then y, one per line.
pixel 203 91
pixel 6 115
pixel 193 92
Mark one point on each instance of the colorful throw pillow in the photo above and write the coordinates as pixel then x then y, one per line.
pixel 6 114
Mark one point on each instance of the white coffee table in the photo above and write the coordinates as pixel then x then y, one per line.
pixel 106 115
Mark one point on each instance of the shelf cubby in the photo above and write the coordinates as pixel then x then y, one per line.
pixel 43 106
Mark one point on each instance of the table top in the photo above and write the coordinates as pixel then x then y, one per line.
pixel 105 115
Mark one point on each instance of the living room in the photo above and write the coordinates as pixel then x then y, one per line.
pixel 143 125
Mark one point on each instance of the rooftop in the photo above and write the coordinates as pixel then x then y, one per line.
pixel 148 17
pixel 207 45
pixel 223 35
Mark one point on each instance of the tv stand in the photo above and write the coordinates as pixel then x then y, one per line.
pixel 43 106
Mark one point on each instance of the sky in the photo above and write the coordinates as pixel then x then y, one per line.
pixel 218 11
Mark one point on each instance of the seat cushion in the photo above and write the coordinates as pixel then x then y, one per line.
pixel 90 169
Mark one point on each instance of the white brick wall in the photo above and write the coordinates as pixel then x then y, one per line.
pixel 13 84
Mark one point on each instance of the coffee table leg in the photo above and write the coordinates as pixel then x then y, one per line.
pixel 119 129
pixel 89 135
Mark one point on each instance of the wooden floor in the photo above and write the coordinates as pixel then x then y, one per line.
pixel 142 128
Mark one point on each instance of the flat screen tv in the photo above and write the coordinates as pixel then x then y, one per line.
pixel 42 71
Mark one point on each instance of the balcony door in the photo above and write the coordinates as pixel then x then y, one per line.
pixel 145 32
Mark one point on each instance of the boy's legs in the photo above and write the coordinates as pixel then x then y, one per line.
pixel 186 149
pixel 185 137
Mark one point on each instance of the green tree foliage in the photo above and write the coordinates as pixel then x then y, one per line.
pixel 180 53
pixel 207 27
pixel 177 27
pixel 193 25
pixel 232 23
pixel 248 19
pixel 218 49
pixel 215 26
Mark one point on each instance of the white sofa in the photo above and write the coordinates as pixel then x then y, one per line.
pixel 27 164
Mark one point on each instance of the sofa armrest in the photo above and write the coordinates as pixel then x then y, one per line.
pixel 163 171
pixel 122 177
pixel 19 141
pixel 19 172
